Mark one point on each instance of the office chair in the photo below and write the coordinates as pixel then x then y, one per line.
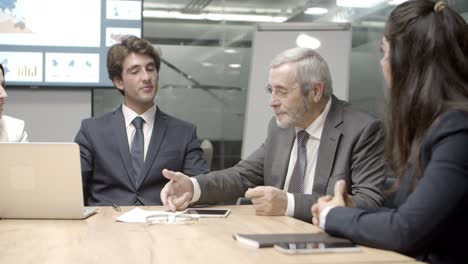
pixel 207 148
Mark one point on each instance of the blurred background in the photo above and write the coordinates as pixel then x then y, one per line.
pixel 211 40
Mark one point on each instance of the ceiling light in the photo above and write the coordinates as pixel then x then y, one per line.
pixel 396 2
pixel 358 3
pixel 234 65
pixel 170 14
pixel 306 41
pixel 241 10
pixel 315 11
pixel 246 18
pixel 213 16
pixel 206 64
pixel 230 51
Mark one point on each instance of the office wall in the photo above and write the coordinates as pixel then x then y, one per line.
pixel 51 115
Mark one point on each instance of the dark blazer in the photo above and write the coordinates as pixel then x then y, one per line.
pixel 106 164
pixel 430 223
pixel 351 148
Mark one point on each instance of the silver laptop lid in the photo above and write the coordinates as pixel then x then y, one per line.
pixel 40 180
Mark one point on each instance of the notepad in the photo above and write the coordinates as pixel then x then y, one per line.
pixel 268 240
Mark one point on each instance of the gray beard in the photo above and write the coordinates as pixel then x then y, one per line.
pixel 297 118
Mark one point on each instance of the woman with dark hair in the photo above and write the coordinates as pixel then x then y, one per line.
pixel 425 63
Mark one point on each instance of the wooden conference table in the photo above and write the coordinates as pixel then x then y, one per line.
pixel 101 239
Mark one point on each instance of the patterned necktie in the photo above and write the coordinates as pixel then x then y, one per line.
pixel 296 184
pixel 137 148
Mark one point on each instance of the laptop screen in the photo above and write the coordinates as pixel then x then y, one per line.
pixel 40 180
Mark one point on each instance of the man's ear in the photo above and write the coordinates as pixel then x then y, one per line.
pixel 317 91
pixel 118 83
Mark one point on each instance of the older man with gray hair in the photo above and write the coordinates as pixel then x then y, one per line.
pixel 313 141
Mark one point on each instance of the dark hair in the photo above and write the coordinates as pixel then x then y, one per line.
pixel 3 74
pixel 130 44
pixel 429 76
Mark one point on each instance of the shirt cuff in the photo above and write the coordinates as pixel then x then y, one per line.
pixel 196 190
pixel 290 209
pixel 323 216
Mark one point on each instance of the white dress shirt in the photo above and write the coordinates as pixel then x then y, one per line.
pixel 323 216
pixel 148 125
pixel 315 133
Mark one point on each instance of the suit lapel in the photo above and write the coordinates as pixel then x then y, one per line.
pixel 157 136
pixel 120 135
pixel 328 146
pixel 286 142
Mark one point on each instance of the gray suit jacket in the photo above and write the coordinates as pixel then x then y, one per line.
pixel 106 163
pixel 351 148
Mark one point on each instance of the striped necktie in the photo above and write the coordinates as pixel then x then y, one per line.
pixel 137 148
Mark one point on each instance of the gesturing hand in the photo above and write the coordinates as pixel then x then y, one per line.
pixel 178 192
pixel 341 198
pixel 268 200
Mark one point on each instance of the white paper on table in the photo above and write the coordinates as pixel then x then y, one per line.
pixel 138 215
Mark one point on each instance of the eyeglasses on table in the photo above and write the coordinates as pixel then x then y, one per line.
pixel 163 218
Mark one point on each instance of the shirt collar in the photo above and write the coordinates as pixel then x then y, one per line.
pixel 315 129
pixel 148 116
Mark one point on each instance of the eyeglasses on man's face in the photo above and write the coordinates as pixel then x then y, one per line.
pixel 279 92
pixel 172 219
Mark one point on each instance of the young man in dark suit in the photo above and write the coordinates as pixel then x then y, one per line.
pixel 124 152
pixel 314 140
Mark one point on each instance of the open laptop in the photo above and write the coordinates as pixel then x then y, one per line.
pixel 41 181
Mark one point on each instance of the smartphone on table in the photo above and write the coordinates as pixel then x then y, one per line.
pixel 316 247
pixel 202 212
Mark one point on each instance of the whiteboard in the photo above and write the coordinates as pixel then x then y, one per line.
pixel 269 39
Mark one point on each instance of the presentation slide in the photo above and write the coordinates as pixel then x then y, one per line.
pixel 125 10
pixel 115 35
pixel 72 67
pixel 63 43
pixel 70 23
pixel 22 66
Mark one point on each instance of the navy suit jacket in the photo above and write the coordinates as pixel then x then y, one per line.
pixel 106 163
pixel 430 223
